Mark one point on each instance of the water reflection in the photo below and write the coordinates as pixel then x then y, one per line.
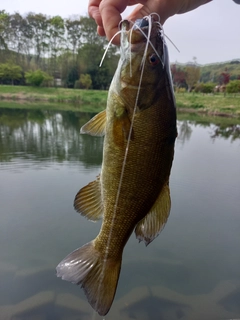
pixel 191 271
pixel 184 131
pixel 232 132
pixel 38 136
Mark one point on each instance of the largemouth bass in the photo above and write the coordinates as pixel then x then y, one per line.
pixel 132 191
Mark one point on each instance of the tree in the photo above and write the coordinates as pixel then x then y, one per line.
pixel 2 72
pixel 72 75
pixel 17 36
pixel 89 58
pixel 36 78
pixel 39 26
pixel 224 78
pixel 4 29
pixel 56 40
pixel 178 76
pixel 74 34
pixel 84 82
pixel 63 48
pixel 89 34
pixel 192 75
pixel 14 72
pixel 10 72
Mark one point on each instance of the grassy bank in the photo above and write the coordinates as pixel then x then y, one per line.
pixel 94 101
pixel 53 95
pixel 213 104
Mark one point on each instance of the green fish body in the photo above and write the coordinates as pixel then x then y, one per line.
pixel 132 191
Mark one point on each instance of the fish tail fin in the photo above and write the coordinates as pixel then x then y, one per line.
pixel 96 275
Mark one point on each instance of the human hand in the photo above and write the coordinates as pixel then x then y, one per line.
pixel 107 13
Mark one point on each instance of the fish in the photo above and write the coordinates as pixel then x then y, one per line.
pixel 132 190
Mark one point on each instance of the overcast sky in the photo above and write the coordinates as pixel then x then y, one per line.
pixel 210 33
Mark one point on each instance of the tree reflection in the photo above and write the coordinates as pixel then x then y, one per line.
pixel 231 132
pixel 47 136
pixel 39 135
pixel 184 131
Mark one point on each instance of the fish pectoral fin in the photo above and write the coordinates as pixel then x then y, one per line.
pixel 152 224
pixel 123 121
pixel 126 126
pixel 98 276
pixel 96 126
pixel 88 201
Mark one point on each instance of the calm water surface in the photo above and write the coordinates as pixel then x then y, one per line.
pixel 191 271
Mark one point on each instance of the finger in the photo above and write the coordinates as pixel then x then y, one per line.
pixel 111 16
pixel 101 31
pixel 147 7
pixel 93 11
pixel 138 12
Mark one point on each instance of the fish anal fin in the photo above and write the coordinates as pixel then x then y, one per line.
pixel 152 224
pixel 88 201
pixel 98 276
pixel 96 126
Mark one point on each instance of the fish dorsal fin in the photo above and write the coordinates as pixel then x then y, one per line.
pixel 88 201
pixel 152 224
pixel 96 126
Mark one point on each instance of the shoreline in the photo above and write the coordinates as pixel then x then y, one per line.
pixel 95 100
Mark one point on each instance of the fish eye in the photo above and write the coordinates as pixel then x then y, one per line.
pixel 153 59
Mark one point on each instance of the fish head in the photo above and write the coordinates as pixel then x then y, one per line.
pixel 144 65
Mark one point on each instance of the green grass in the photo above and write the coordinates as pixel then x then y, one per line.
pixel 209 103
pixel 95 100
pixel 53 95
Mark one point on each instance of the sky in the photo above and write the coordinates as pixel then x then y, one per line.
pixel 210 33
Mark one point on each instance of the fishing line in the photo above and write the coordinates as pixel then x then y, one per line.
pixel 171 42
pixel 130 52
pixel 148 37
pixel 117 197
pixel 95 315
pixel 127 146
pixel 149 18
pixel 106 50
pixel 126 153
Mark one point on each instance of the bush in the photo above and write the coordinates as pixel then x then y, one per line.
pixel 207 87
pixel 37 78
pixel 85 82
pixel 233 86
pixel 180 90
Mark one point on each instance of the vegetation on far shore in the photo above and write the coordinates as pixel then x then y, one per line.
pixel 41 50
pixel 95 100
pixel 42 58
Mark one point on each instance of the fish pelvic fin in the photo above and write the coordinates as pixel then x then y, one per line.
pixel 153 223
pixel 96 126
pixel 88 201
pixel 96 275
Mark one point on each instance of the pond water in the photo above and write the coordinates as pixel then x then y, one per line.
pixel 191 271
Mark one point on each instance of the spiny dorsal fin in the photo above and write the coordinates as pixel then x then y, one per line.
pixel 88 201
pixel 152 224
pixel 96 126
